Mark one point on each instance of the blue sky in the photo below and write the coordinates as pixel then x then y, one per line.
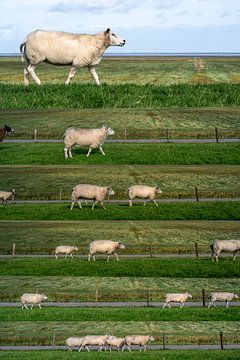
pixel 147 26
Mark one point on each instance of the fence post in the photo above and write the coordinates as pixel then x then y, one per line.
pixel 221 340
pixel 216 134
pixel 14 249
pixel 96 296
pixel 35 134
pixel 196 194
pixel 167 135
pixel 148 298
pixel 196 250
pixel 150 250
pixel 60 194
pixel 125 134
pixel 164 341
pixel 203 298
pixel 54 341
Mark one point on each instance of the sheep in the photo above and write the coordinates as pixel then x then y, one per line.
pixel 224 245
pixel 32 299
pixel 94 138
pixel 90 192
pixel 4 131
pixel 94 340
pixel 144 192
pixel 104 247
pixel 113 341
pixel 73 341
pixel 221 296
pixel 63 48
pixel 7 195
pixel 140 340
pixel 181 298
pixel 65 249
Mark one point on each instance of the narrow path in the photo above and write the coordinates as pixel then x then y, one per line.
pixel 201 141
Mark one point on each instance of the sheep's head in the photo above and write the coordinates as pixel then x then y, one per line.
pixel 121 245
pixel 151 338
pixel 113 39
pixel 189 295
pixel 108 130
pixel 158 190
pixel 75 248
pixel 44 297
pixel 110 191
pixel 8 128
pixel 235 296
pixel 13 192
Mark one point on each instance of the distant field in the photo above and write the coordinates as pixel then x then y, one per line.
pixel 164 236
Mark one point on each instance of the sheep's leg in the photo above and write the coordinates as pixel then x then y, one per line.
pixel 94 202
pixel 66 152
pixel 145 202
pixel 227 304
pixel 69 349
pixel 210 304
pixel 94 74
pixel 80 348
pixel 89 257
pixel 164 305
pixel 214 304
pixel 116 256
pixel 89 151
pixel 26 76
pixel 123 347
pixel 103 205
pixel 94 258
pixel 169 305
pixel 73 202
pixel 56 256
pixel 234 255
pixel 71 256
pixel 31 70
pixel 71 74
pixel 181 306
pixel 70 152
pixel 155 202
pixel 31 307
pixel 145 347
pixel 87 348
pixel 80 204
pixel 129 348
pixel 39 305
pixel 108 257
pixel 100 148
pixel 130 202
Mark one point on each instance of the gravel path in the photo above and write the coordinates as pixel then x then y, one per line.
pixel 234 140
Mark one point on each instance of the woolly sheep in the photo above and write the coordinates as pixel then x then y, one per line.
pixel 32 299
pixel 93 138
pixel 114 341
pixel 224 245
pixel 7 195
pixel 65 249
pixel 140 340
pixel 63 48
pixel 104 247
pixel 144 192
pixel 94 340
pixel 221 296
pixel 181 298
pixel 74 341
pixel 90 192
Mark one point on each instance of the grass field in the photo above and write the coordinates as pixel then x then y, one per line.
pixel 164 236
pixel 123 154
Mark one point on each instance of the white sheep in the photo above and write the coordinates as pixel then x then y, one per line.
pixel 7 195
pixel 94 340
pixel 116 342
pixel 144 192
pixel 181 298
pixel 224 245
pixel 90 192
pixel 32 299
pixel 65 250
pixel 104 247
pixel 221 296
pixel 93 138
pixel 140 340
pixel 74 342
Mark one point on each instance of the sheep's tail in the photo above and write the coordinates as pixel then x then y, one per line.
pixel 22 50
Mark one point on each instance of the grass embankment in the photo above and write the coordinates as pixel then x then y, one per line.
pixel 47 182
pixel 180 268
pixel 126 95
pixel 123 154
pixel 149 355
pixel 164 236
pixel 129 123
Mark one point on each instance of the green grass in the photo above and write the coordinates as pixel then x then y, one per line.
pixel 125 95
pixel 165 211
pixel 180 268
pixel 164 236
pixel 123 154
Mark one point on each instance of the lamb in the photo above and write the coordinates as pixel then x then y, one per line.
pixel 94 340
pixel 7 195
pixel 181 298
pixel 65 249
pixel 140 340
pixel 32 299
pixel 94 138
pixel 104 247
pixel 73 341
pixel 63 48
pixel 113 341
pixel 144 192
pixel 90 192
pixel 221 296
pixel 224 245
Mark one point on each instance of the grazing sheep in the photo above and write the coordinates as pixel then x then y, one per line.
pixel 63 48
pixel 181 298
pixel 94 138
pixel 90 192
pixel 7 195
pixel 144 192
pixel 140 340
pixel 4 131
pixel 104 247
pixel 116 342
pixel 224 245
pixel 221 296
pixel 94 340
pixel 32 299
pixel 65 249
pixel 73 341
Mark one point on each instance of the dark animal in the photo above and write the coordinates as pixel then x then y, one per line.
pixel 3 131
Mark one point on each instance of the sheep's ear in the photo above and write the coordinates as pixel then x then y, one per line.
pixel 107 31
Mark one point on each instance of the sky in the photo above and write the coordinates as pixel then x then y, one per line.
pixel 148 26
